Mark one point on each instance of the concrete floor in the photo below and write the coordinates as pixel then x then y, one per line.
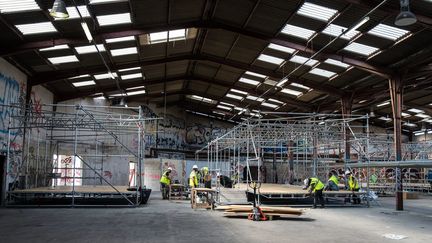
pixel 163 221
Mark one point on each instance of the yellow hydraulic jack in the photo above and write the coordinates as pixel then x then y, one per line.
pixel 257 214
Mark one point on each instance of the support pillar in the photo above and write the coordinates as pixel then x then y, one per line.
pixel 346 105
pixel 396 95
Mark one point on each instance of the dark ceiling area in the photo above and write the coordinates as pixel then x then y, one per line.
pixel 230 59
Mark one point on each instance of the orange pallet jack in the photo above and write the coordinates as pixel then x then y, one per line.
pixel 257 214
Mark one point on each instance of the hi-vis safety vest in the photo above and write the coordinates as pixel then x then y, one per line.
pixel 334 179
pixel 353 183
pixel 165 179
pixel 316 184
pixel 193 179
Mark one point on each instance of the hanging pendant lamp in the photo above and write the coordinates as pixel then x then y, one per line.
pixel 59 10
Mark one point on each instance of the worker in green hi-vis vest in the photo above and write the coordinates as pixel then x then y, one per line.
pixel 316 187
pixel 332 183
pixel 193 177
pixel 165 182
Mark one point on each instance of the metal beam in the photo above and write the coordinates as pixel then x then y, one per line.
pixel 9 50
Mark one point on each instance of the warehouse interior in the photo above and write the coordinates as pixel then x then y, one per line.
pixel 215 120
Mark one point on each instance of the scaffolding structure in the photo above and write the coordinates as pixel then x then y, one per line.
pixel 69 155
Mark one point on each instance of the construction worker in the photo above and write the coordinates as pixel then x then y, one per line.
pixel 353 186
pixel 205 177
pixel 193 177
pixel 165 182
pixel 332 183
pixel 316 187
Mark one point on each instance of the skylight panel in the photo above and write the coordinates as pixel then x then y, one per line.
pixel 89 49
pixel 270 82
pixel 238 91
pixel 361 49
pixel 114 19
pixel 269 105
pixel 276 101
pixel 131 76
pixel 336 63
pixel 298 31
pixel 136 92
pixel 249 81
pixel 129 69
pixel 73 14
pixel 124 51
pixel 36 28
pixel 104 1
pixel 303 60
pixel 254 98
pixel 421 115
pixel 80 76
pixel 10 6
pixel 223 107
pixel 174 35
pixel 405 114
pixel 281 48
pixel 271 59
pixel 336 30
pixel 383 104
pixel 105 76
pixel 388 32
pixel 200 98
pixel 58 47
pixel 316 11
pixel 120 39
pixel 416 110
pixel 137 87
pixel 292 92
pixel 301 86
pixel 84 83
pixel 322 72
pixel 63 59
pixel 233 96
pixel 255 74
pixel 224 103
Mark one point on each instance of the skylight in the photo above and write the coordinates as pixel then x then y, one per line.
pixel 361 49
pixel 10 6
pixel 63 59
pixel 233 96
pixel 405 114
pixel 281 48
pixel 36 28
pixel 383 104
pixel 136 92
pixel 302 60
pixel 298 31
pixel 104 1
pixel 316 11
pixel 254 98
pixel 336 30
pixel 73 14
pixel 276 101
pixel 271 59
pixel 238 91
pixel 129 69
pixel 114 19
pixel 84 83
pixel 137 87
pixel 89 49
pixel 270 82
pixel 174 35
pixel 58 47
pixel 120 39
pixel 80 76
pixel 249 81
pixel 124 51
pixel 223 107
pixel 255 74
pixel 292 92
pixel 388 32
pixel 224 103
pixel 131 76
pixel 200 98
pixel 336 63
pixel 300 86
pixel 322 72
pixel 105 75
pixel 421 115
pixel 269 105
pixel 416 110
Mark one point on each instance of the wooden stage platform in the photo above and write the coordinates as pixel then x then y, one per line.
pixel 77 189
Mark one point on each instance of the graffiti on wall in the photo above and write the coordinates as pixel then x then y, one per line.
pixel 199 134
pixel 11 91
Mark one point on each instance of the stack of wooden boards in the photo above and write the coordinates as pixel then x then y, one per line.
pixel 245 210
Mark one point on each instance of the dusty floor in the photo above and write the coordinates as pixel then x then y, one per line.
pixel 163 221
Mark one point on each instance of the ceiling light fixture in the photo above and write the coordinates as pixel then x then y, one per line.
pixel 405 17
pixel 59 10
pixel 87 31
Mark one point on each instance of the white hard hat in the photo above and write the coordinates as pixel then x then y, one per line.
pixel 306 181
pixel 169 168
pixel 347 172
pixel 195 167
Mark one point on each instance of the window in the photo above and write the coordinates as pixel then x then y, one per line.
pixel 137 87
pixel 64 59
pixel 254 98
pixel 336 30
pixel 269 105
pixel 233 96
pixel 114 19
pixel 238 91
pixel 64 165
pixel 58 47
pixel 316 11
pixel 336 63
pixel 298 31
pixel 84 83
pixel 174 35
pixel 223 107
pixel 36 28
pixel 200 98
pixel 249 81
pixel 89 49
pixel 322 72
pixel 388 32
pixel 136 92
pixel 361 49
pixel 303 60
pixel 224 103
pixel 80 76
pixel 281 48
pixel 120 39
pixel 276 101
pixel 291 92
pixel 255 74
pixel 129 69
pixel 131 76
pixel 124 51
pixel 10 6
pixel 271 59
pixel 105 76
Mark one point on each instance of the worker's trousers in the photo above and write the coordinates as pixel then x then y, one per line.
pixel 318 195
pixel 165 190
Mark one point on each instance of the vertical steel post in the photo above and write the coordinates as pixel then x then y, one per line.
pixel 346 113
pixel 74 155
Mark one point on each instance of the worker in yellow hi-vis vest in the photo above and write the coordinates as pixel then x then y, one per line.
pixel 353 186
pixel 332 183
pixel 316 187
pixel 193 177
pixel 165 182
